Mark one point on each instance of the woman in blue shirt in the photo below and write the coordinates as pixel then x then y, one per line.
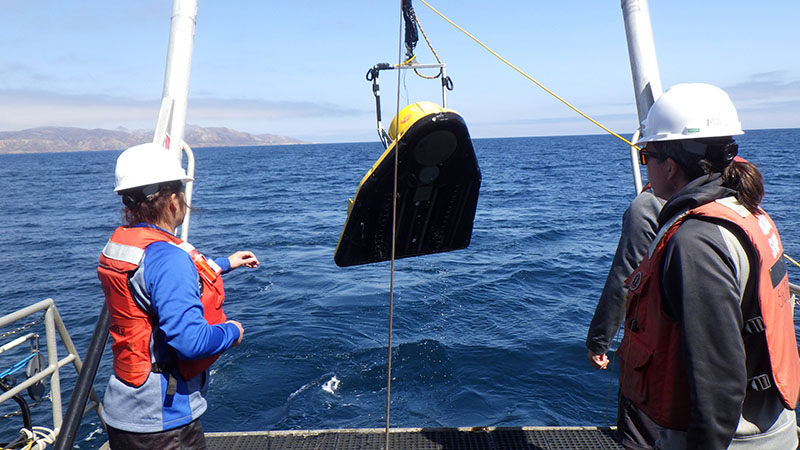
pixel 165 304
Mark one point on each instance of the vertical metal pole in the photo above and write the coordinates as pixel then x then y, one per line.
pixel 171 125
pixel 637 172
pixel 188 190
pixel 83 385
pixel 179 64
pixel 66 340
pixel 52 361
pixel 644 65
pixel 642 54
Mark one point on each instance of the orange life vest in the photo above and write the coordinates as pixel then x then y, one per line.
pixel 131 327
pixel 652 372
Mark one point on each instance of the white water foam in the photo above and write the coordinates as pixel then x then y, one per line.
pixel 331 385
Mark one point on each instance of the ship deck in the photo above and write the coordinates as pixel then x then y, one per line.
pixel 506 438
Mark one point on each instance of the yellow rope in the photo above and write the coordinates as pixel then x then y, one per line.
pixel 529 77
pixel 430 46
pixel 790 259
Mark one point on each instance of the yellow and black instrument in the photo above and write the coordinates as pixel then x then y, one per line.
pixel 437 190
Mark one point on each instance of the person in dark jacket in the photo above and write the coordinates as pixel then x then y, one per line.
pixel 709 351
pixel 635 430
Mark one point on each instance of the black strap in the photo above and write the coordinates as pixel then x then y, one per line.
pixel 172 384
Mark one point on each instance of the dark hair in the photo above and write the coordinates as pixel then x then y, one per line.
pixel 698 157
pixel 745 178
pixel 150 203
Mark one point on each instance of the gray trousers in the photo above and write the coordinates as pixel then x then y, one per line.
pixel 187 437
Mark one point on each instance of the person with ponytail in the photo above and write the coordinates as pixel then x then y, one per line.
pixel 165 310
pixel 709 350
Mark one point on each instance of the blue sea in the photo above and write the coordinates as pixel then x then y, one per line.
pixel 492 335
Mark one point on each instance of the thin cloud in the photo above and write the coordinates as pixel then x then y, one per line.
pixel 767 100
pixel 32 108
pixel 208 108
pixel 766 87
pixel 11 70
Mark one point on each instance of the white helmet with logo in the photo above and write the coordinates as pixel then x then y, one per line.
pixel 691 111
pixel 145 165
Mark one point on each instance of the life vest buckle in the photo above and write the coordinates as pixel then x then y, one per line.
pixel 754 325
pixel 759 383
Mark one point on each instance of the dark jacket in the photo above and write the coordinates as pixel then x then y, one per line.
pixel 639 226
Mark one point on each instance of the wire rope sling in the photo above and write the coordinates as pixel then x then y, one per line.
pixel 437 176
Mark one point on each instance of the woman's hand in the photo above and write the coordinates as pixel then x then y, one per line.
pixel 241 331
pixel 598 361
pixel 243 258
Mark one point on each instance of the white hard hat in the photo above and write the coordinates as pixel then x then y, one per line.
pixel 691 111
pixel 147 164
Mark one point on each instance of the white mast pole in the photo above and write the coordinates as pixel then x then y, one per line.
pixel 172 119
pixel 174 101
pixel 644 66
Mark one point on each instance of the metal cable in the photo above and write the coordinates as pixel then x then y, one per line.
pixel 394 235
pixel 616 342
pixel 31 406
pixel 21 328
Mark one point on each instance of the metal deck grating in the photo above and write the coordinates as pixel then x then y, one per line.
pixel 522 438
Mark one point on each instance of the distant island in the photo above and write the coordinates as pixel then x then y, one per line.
pixel 67 139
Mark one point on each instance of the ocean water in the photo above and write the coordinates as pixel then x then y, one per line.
pixel 492 335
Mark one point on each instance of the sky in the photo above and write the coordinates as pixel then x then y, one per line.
pixel 298 68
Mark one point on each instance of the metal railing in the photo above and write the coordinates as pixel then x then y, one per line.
pixel 53 324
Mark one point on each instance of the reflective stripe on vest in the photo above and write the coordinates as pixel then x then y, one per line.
pixel 125 253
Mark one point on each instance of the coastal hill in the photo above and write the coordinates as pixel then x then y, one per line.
pixel 66 139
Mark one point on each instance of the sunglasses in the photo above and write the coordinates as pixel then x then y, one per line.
pixel 644 154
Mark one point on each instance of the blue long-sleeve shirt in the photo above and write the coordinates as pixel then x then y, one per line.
pixel 166 285
pixel 171 279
